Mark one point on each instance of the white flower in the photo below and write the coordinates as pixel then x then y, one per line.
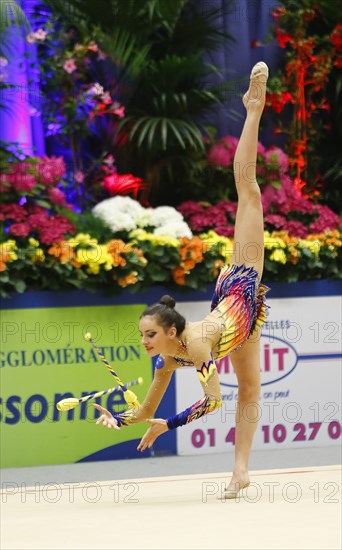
pixel 95 89
pixel 117 222
pixel 128 205
pixel 121 222
pixel 165 214
pixel 174 229
pixel 126 214
pixel 118 212
pixel 146 218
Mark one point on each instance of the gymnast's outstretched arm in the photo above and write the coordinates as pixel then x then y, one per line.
pixel 201 356
pixel 161 380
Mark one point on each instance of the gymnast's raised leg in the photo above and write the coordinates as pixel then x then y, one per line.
pixel 248 249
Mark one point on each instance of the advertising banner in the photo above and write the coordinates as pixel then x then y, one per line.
pixel 300 398
pixel 45 358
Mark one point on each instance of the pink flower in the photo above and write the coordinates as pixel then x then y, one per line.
pixel 188 208
pixel 276 220
pixel 231 142
pixel 79 176
pixel 219 155
pixel 55 229
pixel 284 200
pixel 261 149
pixel 274 155
pixel 5 183
pixel 326 220
pixel 225 230
pixel 228 206
pixel 13 212
pixel 40 34
pixel 296 229
pixel 38 216
pixel 118 109
pixel 30 38
pixel 69 66
pixel 51 170
pixel 23 182
pixel 19 229
pixel 93 47
pixel 56 196
pixel 105 98
pixel 200 222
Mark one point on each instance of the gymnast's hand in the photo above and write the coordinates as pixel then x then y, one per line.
pixel 157 427
pixel 106 418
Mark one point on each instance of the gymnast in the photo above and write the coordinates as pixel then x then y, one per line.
pixel 232 327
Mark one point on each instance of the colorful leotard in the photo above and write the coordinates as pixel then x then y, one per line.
pixel 240 303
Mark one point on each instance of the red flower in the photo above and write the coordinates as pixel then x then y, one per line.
pixel 278 100
pixel 123 184
pixel 336 37
pixel 282 37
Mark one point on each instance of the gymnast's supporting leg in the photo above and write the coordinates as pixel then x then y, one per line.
pixel 246 363
pixel 249 249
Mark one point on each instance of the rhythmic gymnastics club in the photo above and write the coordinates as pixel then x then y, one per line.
pixel 72 402
pixel 129 396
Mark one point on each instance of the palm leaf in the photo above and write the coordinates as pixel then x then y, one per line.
pixel 11 15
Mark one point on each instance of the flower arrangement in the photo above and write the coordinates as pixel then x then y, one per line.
pixel 286 207
pixel 302 93
pixel 123 214
pixel 138 246
pixel 33 203
pixel 145 259
pixel 81 102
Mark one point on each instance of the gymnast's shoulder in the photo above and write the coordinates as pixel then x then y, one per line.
pixel 166 363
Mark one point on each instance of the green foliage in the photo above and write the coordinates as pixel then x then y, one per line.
pixel 157 48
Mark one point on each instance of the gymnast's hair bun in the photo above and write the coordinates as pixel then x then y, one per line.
pixel 167 301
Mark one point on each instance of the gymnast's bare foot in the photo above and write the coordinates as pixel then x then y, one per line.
pixel 254 98
pixel 236 484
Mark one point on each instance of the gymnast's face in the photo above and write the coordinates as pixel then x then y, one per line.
pixel 155 339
